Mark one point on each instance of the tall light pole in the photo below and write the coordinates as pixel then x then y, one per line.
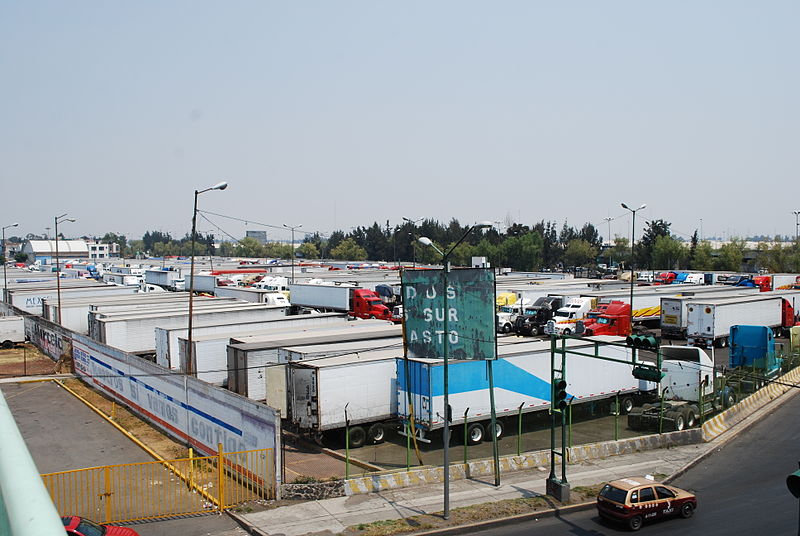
pixel 292 228
pixel 189 357
pixel 633 230
pixel 57 220
pixel 796 225
pixel 5 261
pixel 424 240
pixel 413 251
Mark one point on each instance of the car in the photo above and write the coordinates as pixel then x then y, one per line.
pixel 79 526
pixel 634 500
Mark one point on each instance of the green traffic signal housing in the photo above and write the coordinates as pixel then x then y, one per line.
pixel 793 483
pixel 648 373
pixel 560 394
pixel 645 342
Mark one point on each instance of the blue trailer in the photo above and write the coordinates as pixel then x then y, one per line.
pixel 521 377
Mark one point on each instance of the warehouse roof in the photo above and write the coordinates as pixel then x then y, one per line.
pixel 65 247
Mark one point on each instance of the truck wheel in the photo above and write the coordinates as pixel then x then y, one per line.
pixel 690 417
pixel 475 433
pixel 357 437
pixel 534 331
pixel 567 332
pixel 626 404
pixel 728 399
pixel 376 433
pixel 8 345
pixel 635 523
pixel 722 342
pixel 678 420
pixel 498 428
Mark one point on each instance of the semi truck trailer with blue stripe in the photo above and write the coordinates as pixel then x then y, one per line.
pixel 521 377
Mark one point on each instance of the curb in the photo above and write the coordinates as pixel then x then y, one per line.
pixel 503 521
pixel 247 527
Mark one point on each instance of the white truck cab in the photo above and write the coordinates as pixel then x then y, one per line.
pixel 565 319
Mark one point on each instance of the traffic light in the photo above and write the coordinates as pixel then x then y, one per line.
pixel 644 342
pixel 793 483
pixel 648 373
pixel 560 394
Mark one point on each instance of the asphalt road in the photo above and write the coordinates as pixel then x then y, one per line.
pixel 63 434
pixel 741 489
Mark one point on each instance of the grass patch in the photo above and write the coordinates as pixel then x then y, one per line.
pixel 469 514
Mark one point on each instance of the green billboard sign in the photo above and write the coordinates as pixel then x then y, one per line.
pixel 464 313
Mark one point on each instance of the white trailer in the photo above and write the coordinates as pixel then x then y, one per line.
pixel 125 280
pixel 12 330
pixel 245 360
pixel 209 354
pixel 333 297
pixel 135 333
pixel 203 283
pixel 521 377
pixel 708 322
pixel 169 279
pixel 254 295
pixel 31 300
pixel 362 389
pixel 673 308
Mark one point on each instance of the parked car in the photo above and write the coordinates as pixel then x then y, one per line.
pixel 634 500
pixel 78 526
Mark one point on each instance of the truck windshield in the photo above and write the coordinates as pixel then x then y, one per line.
pixel 681 353
pixel 507 309
pixel 603 320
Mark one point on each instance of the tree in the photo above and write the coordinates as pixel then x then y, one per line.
pixel 668 253
pixel 620 252
pixel 579 253
pixel 114 238
pixel 277 250
pixel 523 253
pixel 250 247
pixel 731 255
pixel 644 247
pixel 349 250
pixel 702 259
pixel 20 257
pixel 308 250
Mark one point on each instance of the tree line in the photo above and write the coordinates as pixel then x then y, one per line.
pixel 541 246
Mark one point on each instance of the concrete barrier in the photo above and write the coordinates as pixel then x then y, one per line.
pixel 478 468
pixel 732 416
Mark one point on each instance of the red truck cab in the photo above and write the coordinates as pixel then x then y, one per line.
pixel 614 320
pixel 366 303
pixel 665 278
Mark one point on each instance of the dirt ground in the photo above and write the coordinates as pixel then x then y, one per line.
pixel 25 360
pixel 470 514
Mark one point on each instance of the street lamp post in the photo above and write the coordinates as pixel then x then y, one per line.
pixel 424 240
pixel 633 230
pixel 413 250
pixel 5 261
pixel 292 228
pixel 189 357
pixel 796 225
pixel 57 220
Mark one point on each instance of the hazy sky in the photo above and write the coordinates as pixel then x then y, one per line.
pixel 333 114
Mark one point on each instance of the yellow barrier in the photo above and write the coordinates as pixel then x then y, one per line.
pixel 150 490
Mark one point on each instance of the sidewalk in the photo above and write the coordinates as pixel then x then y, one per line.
pixel 336 514
pixel 332 516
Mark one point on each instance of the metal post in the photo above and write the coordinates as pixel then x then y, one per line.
pixel 796 226
pixel 58 274
pixel 633 235
pixel 519 430
pixel 569 428
pixel 408 445
pixel 292 228
pixel 221 476
pixel 5 261
pixel 616 416
pixel 446 431
pixel 189 349
pixel 495 453
pixel 346 443
pixel 466 435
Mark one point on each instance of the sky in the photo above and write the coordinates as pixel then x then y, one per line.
pixel 335 114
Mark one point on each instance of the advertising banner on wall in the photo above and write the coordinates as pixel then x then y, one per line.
pixel 458 304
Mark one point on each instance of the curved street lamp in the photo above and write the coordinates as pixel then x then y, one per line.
pixel 57 220
pixel 425 241
pixel 5 261
pixel 189 357
pixel 633 230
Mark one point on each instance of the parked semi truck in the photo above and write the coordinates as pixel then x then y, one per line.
pixel 691 388
pixel 536 316
pixel 12 331
pixel 674 308
pixel 565 321
pixel 358 302
pixel 709 322
pixel 521 379
pixel 506 315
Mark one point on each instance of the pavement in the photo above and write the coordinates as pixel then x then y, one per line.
pixel 332 516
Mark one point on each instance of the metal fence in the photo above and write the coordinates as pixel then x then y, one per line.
pixel 151 490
